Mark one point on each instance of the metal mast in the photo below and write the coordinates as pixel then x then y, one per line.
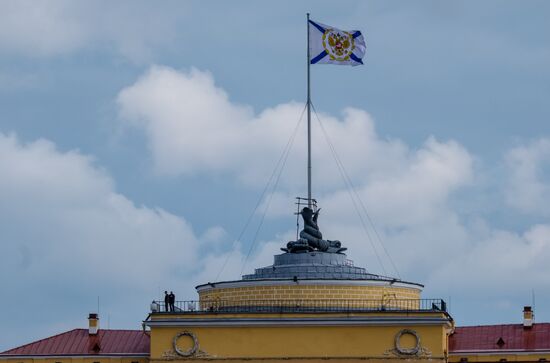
pixel 308 120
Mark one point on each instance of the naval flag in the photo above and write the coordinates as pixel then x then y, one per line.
pixel 334 46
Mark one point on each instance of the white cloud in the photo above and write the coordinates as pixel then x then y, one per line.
pixel 80 223
pixel 418 192
pixel 192 127
pixel 527 186
pixel 41 28
pixel 191 124
pixel 500 263
pixel 45 29
pixel 68 236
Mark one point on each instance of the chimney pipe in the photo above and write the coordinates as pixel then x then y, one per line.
pixel 93 326
pixel 528 317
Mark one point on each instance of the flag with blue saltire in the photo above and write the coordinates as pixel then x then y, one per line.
pixel 330 45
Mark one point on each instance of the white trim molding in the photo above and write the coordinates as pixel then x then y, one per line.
pixel 291 282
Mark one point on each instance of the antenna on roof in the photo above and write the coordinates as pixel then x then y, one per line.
pixel 533 299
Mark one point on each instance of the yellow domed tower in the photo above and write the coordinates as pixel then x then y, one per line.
pixel 312 304
pixel 312 272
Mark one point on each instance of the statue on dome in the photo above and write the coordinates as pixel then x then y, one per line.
pixel 311 238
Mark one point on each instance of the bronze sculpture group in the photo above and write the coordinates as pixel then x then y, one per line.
pixel 311 238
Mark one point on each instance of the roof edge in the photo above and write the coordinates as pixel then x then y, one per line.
pixel 37 341
pixel 395 282
pixel 9 352
pixel 26 356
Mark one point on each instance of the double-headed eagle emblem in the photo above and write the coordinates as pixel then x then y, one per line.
pixel 338 44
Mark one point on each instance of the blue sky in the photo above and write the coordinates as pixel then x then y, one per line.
pixel 137 137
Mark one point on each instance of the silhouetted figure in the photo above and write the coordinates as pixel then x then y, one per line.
pixel 172 300
pixel 166 301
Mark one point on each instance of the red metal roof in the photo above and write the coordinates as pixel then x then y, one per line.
pixel 514 337
pixel 80 342
pixel 136 342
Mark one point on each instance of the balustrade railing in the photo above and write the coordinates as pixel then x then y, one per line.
pixel 299 306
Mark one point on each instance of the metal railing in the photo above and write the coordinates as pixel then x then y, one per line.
pixel 300 306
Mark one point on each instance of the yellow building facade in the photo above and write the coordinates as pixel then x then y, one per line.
pixel 310 306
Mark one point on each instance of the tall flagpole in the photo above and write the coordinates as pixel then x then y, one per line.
pixel 308 120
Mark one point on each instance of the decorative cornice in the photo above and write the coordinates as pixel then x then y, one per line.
pixel 329 321
pixel 306 358
pixel 285 282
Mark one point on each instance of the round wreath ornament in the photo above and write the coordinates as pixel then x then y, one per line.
pixel 191 351
pixel 407 351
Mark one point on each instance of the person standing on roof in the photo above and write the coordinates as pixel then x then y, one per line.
pixel 172 300
pixel 166 301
